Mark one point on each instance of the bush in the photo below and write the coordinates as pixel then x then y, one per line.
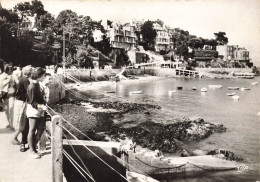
pixel 205 53
pixel 163 52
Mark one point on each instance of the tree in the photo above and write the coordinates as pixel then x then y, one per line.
pixel 9 16
pixel 195 43
pixel 23 10
pixel 149 34
pixel 120 57
pixel 66 19
pixel 8 31
pixel 37 8
pixel 180 37
pixel 160 22
pixel 182 50
pixel 45 21
pixel 103 46
pixel 83 58
pixel 213 43
pixel 221 38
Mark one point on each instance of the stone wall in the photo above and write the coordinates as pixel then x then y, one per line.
pixel 103 74
pixel 247 70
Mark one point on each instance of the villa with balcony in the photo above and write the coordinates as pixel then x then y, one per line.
pixel 234 53
pixel 162 40
pixel 123 36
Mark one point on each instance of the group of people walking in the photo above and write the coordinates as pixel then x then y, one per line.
pixel 24 93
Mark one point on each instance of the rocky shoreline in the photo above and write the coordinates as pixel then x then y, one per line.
pixel 102 126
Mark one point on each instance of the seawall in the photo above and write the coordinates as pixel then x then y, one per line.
pixel 227 70
pixel 103 74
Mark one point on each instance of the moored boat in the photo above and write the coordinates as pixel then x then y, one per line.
pixel 215 86
pixel 231 94
pixel 254 83
pixel 108 92
pixel 244 88
pixel 194 88
pixel 179 88
pixel 233 88
pixel 136 92
pixel 154 166
pixel 204 89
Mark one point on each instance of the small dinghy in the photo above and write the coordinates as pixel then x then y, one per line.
pixel 254 83
pixel 179 88
pixel 204 89
pixel 233 88
pixel 231 94
pixel 215 86
pixel 194 88
pixel 136 92
pixel 110 92
pixel 235 97
pixel 244 88
pixel 137 177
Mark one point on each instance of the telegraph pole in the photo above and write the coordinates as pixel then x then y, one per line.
pixel 63 51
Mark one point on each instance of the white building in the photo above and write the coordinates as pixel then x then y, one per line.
pixel 162 40
pixel 97 35
pixel 123 36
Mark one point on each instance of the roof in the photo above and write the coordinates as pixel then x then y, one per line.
pixel 157 26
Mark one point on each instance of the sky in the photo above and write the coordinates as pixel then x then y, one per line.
pixel 240 19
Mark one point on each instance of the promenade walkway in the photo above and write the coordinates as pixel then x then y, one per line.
pixel 16 166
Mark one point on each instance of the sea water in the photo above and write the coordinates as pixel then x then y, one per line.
pixel 238 116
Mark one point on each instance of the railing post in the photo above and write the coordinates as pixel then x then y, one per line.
pixel 56 149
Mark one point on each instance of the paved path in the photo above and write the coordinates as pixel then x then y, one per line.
pixel 16 166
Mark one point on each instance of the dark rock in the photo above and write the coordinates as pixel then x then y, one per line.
pixel 167 138
pixel 147 112
pixel 228 154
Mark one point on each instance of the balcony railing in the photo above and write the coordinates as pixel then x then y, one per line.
pixel 129 34
pixel 160 42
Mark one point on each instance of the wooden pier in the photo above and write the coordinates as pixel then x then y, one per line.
pixel 187 73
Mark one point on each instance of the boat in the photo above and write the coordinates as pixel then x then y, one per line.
pixel 153 165
pixel 235 97
pixel 233 88
pixel 204 89
pixel 254 83
pixel 179 88
pixel 244 75
pixel 108 92
pixel 231 94
pixel 137 177
pixel 215 86
pixel 244 88
pixel 136 92
pixel 194 88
